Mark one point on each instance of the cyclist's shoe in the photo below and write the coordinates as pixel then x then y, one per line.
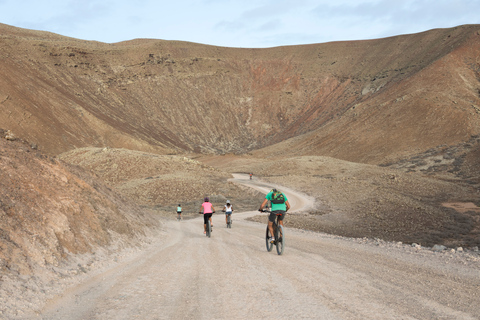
pixel 272 240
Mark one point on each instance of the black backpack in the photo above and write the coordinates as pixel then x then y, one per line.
pixel 278 198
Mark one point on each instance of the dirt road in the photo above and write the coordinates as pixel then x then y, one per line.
pixel 185 275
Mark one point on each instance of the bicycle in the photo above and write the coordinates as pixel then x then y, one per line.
pixel 229 220
pixel 209 229
pixel 179 212
pixel 279 232
pixel 228 209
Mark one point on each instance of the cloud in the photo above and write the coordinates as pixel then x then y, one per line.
pixel 271 25
pixel 232 26
pixel 383 18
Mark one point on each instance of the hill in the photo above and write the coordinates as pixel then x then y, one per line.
pixel 361 101
pixel 99 142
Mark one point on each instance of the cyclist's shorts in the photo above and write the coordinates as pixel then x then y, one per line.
pixel 206 216
pixel 228 212
pixel 273 215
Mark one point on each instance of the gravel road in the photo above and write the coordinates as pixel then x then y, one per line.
pixel 185 275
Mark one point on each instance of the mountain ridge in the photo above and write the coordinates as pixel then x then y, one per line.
pixel 170 96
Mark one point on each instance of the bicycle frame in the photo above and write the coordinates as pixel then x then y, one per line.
pixel 279 233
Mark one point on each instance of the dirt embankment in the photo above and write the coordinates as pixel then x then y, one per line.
pixel 56 220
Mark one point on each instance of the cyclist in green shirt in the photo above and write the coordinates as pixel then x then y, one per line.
pixel 280 206
pixel 179 212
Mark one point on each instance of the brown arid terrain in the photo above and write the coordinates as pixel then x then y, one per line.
pixel 361 200
pixel 51 213
pixel 369 101
pixel 100 142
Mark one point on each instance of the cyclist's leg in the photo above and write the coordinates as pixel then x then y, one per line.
pixel 271 219
pixel 205 218
pixel 280 220
pixel 270 228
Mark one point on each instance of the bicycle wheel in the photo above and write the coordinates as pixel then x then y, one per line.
pixel 209 228
pixel 280 239
pixel 229 221
pixel 267 241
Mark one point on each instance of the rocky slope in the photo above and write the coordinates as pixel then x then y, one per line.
pixel 348 100
pixel 54 218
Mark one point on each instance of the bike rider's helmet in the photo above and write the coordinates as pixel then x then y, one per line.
pixel 274 190
pixel 206 199
pixel 228 201
pixel 179 205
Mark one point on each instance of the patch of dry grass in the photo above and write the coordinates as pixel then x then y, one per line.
pixel 161 182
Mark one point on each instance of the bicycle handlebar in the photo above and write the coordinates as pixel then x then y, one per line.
pixel 265 210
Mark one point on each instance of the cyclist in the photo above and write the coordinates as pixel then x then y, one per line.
pixel 228 209
pixel 179 212
pixel 251 176
pixel 208 210
pixel 280 206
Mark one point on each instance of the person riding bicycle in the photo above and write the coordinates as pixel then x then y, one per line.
pixel 208 210
pixel 228 209
pixel 179 212
pixel 251 176
pixel 280 206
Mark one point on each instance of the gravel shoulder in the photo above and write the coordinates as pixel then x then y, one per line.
pixel 184 274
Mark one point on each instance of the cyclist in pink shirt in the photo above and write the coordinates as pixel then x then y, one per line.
pixel 208 210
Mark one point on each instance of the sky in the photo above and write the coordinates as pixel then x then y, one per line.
pixel 238 23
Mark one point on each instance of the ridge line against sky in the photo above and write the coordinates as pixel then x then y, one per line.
pixel 237 23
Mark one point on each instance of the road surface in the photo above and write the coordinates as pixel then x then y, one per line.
pixel 185 275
